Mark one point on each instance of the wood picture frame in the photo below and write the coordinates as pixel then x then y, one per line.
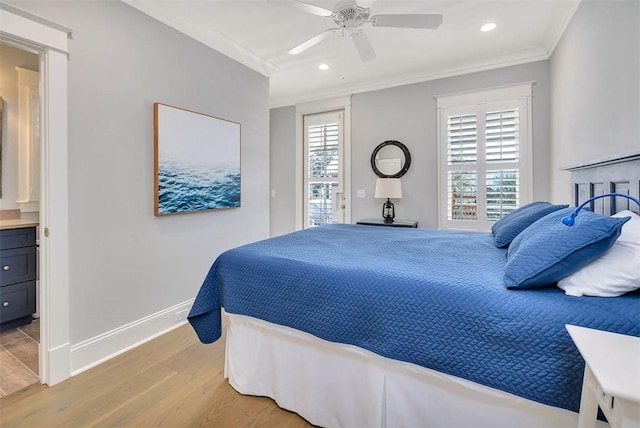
pixel 197 161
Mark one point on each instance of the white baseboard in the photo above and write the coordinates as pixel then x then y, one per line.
pixel 98 349
pixel 58 369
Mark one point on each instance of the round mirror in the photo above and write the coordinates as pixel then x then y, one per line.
pixel 391 159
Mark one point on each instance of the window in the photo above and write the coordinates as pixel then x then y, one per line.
pixel 484 145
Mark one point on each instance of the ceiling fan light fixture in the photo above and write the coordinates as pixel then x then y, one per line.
pixel 488 27
pixel 350 18
pixel 323 67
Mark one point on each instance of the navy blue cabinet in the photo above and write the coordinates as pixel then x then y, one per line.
pixel 18 258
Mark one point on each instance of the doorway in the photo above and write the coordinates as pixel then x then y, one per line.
pixel 19 210
pixel 323 162
pixel 49 41
pixel 324 169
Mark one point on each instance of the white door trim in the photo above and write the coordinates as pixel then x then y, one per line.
pixel 49 39
pixel 341 103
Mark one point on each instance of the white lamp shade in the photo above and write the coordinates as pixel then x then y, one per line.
pixel 388 188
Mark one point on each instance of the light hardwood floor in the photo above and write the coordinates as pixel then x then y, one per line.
pixel 172 381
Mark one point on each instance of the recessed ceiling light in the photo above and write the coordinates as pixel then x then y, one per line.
pixel 323 67
pixel 488 27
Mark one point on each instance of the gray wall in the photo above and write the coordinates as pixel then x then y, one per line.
pixel 595 88
pixel 282 158
pixel 408 114
pixel 10 58
pixel 125 263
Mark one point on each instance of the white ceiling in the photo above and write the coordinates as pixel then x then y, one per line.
pixel 258 33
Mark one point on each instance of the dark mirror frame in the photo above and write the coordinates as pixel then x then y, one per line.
pixel 405 166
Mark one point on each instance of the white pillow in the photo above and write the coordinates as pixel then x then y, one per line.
pixel 616 272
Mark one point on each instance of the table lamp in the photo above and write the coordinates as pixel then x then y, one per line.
pixel 388 188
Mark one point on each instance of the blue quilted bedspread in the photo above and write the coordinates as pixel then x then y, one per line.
pixel 432 298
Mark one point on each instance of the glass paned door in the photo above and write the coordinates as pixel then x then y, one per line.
pixel 324 197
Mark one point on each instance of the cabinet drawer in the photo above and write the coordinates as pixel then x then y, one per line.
pixel 17 238
pixel 17 265
pixel 17 301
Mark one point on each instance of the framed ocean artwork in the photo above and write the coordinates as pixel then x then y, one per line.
pixel 197 161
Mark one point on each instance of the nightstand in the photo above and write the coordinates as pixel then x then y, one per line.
pixel 611 377
pixel 396 223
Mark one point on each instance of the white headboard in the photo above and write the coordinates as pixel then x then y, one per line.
pixel 619 174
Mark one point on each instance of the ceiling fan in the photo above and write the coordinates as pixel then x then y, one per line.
pixel 350 17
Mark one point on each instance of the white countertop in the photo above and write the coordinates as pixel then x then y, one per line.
pixel 17 223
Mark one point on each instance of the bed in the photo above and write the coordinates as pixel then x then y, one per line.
pixel 352 325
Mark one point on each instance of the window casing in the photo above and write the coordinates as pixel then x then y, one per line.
pixel 484 143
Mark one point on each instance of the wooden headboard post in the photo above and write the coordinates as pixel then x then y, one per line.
pixel 619 174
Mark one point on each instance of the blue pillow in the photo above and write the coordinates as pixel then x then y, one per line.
pixel 507 228
pixel 548 250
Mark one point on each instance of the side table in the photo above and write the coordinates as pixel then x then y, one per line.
pixel 381 222
pixel 611 377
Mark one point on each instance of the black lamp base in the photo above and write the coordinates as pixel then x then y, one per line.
pixel 388 211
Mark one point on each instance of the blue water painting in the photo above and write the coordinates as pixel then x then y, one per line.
pixel 183 187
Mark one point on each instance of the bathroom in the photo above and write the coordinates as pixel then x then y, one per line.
pixel 19 218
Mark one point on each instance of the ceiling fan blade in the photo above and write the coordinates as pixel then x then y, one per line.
pixel 407 21
pixel 312 41
pixel 363 46
pixel 304 7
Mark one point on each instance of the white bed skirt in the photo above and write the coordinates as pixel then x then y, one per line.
pixel 337 385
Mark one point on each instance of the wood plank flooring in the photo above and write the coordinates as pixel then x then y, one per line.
pixel 172 381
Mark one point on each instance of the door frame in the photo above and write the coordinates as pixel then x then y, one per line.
pixel 314 107
pixel 50 41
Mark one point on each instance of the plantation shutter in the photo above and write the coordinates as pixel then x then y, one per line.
pixel 323 150
pixel 482 163
pixel 502 135
pixel 462 160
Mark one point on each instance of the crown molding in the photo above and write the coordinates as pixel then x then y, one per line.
pixel 406 79
pixel 559 24
pixel 218 42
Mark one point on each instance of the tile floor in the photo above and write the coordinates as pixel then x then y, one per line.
pixel 19 358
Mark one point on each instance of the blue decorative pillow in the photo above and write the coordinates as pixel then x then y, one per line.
pixel 548 250
pixel 507 228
